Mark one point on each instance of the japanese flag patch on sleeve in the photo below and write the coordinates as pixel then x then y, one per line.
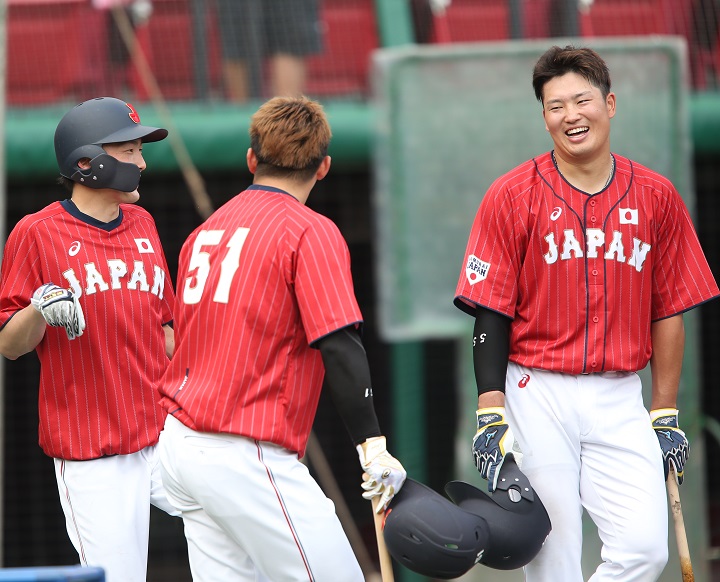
pixel 476 270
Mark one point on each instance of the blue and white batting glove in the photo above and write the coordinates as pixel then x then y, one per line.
pixel 60 308
pixel 383 476
pixel 493 441
pixel 673 442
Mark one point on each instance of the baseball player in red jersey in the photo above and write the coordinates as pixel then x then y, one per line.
pixel 578 268
pixel 85 283
pixel 266 309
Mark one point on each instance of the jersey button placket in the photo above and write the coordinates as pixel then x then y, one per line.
pixel 595 281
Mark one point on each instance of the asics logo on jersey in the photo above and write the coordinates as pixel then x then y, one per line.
pixel 615 250
pixel 524 379
pixel 74 248
pixel 476 270
pixel 556 213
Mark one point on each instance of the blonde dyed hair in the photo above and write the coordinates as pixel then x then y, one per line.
pixel 290 137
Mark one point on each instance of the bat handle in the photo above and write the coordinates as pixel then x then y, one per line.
pixel 386 569
pixel 680 535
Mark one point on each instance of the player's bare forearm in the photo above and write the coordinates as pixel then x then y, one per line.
pixel 22 333
pixel 668 345
pixel 169 340
pixel 492 398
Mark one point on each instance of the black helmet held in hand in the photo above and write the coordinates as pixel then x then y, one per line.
pixel 430 535
pixel 82 132
pixel 517 519
pixel 439 538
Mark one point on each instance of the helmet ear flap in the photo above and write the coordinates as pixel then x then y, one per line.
pixel 107 172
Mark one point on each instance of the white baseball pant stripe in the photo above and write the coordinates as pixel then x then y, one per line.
pixel 252 511
pixel 106 502
pixel 587 442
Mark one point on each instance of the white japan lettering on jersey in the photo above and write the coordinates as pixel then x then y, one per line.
pixel 583 275
pixel 98 392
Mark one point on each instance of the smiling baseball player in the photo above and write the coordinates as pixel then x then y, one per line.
pixel 578 267
pixel 85 283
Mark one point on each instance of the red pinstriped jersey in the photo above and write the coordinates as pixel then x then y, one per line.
pixel 98 393
pixel 262 279
pixel 583 276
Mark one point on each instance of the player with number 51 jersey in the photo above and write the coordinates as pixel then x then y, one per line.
pixel 266 315
pixel 239 287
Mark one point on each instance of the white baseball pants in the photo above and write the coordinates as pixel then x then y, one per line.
pixel 587 442
pixel 252 511
pixel 106 503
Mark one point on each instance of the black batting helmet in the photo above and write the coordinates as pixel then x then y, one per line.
pixel 82 132
pixel 518 521
pixel 443 539
pixel 430 535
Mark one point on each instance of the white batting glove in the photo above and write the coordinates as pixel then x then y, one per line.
pixel 439 6
pixel 384 475
pixel 60 308
pixel 493 441
pixel 140 11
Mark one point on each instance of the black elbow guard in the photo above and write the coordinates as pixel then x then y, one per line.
pixel 491 349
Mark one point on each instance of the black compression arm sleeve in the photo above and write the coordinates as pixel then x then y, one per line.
pixel 347 376
pixel 491 348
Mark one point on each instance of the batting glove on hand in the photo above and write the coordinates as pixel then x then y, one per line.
pixel 439 6
pixel 384 475
pixel 140 11
pixel 60 308
pixel 493 441
pixel 673 442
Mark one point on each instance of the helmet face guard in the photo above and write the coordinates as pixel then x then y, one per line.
pixel 107 172
pixel 83 131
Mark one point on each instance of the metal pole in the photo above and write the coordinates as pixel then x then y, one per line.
pixel 516 19
pixel 408 394
pixel 200 52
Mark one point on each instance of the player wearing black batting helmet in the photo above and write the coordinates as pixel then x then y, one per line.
pixel 432 536
pixel 81 134
pixel 86 286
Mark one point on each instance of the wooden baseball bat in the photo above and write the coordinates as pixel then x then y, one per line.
pixel 329 484
pixel 680 535
pixel 386 569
